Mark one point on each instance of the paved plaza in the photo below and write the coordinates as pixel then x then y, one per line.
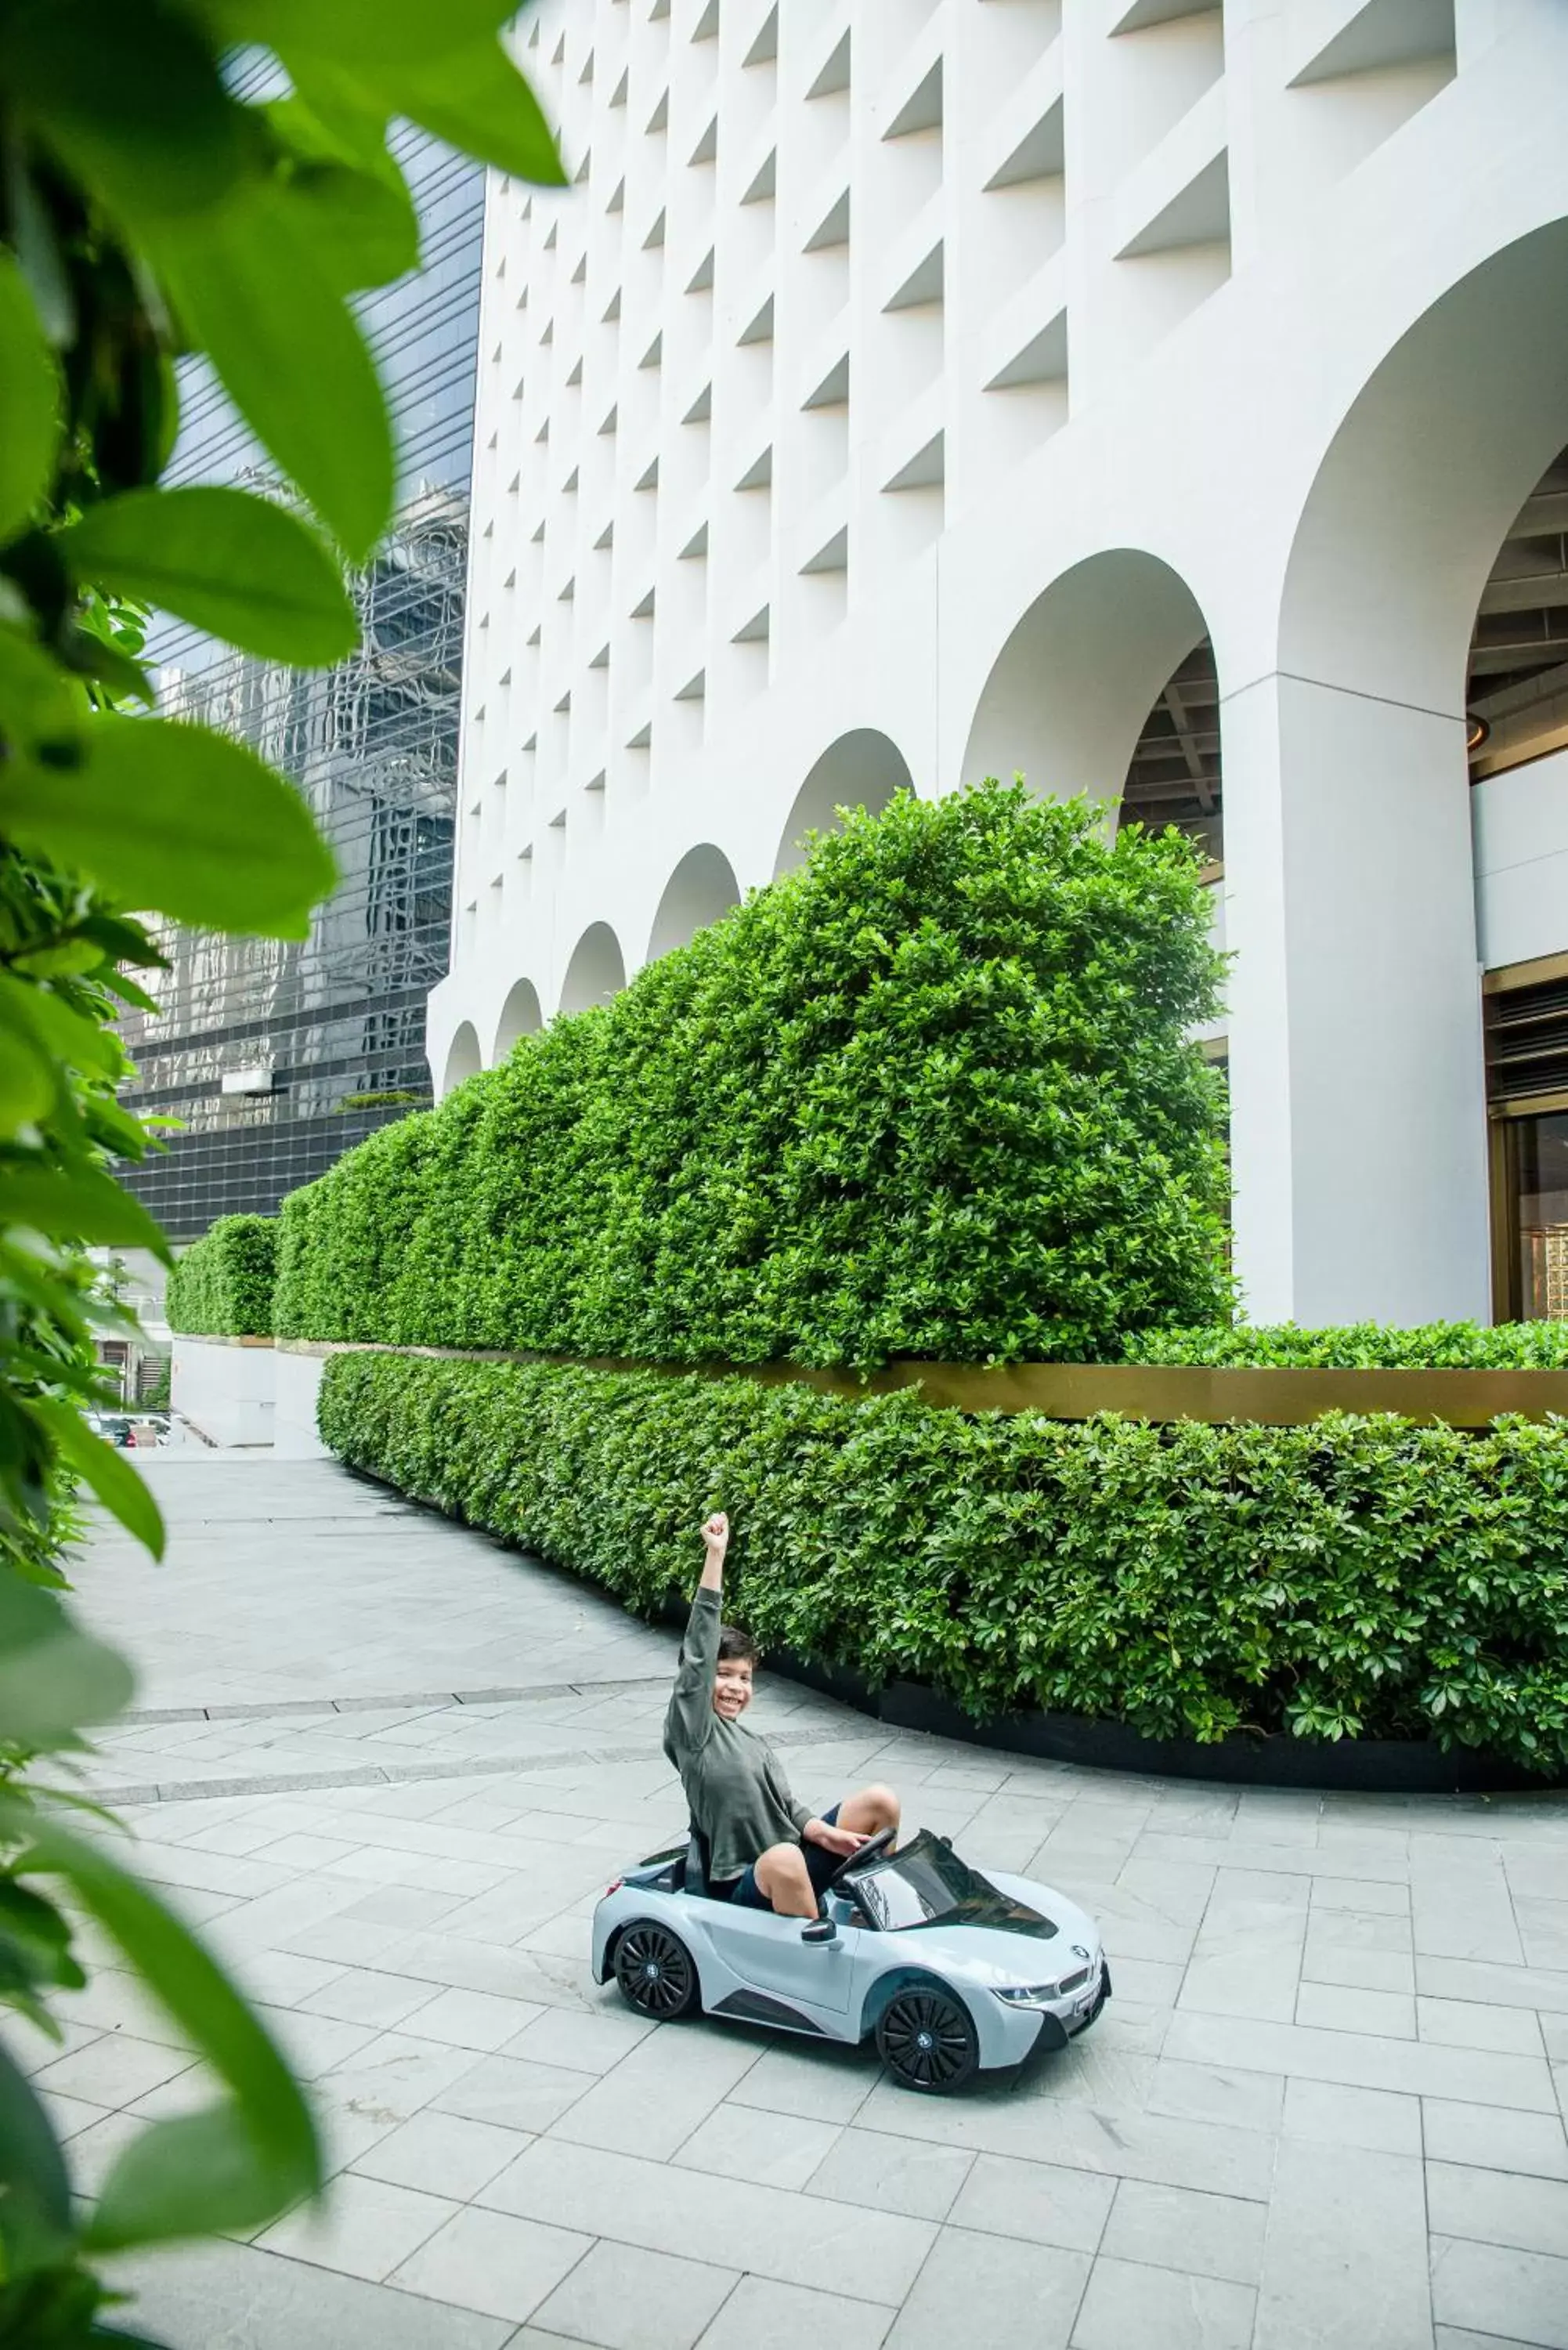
pixel 391 1766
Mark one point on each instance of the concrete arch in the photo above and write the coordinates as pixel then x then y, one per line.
pixel 1431 463
pixel 1069 693
pixel 596 971
pixel 1359 1128
pixel 862 769
pixel 702 887
pixel 464 1058
pixel 520 1016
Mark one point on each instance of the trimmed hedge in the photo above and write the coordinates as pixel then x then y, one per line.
pixel 932 1095
pixel 1358 1577
pixel 1363 1345
pixel 221 1286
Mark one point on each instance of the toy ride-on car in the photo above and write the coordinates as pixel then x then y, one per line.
pixel 953 1973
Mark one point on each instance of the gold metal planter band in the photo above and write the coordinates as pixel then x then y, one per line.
pixel 1156 1391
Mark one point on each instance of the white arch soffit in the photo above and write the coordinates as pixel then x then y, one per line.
pixel 463 1059
pixel 520 1016
pixel 596 971
pixel 1071 690
pixel 862 769
pixel 702 887
pixel 1431 462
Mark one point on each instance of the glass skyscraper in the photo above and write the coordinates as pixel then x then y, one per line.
pixel 259 1043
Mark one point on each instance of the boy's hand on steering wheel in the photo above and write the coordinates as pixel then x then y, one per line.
pixel 832 1838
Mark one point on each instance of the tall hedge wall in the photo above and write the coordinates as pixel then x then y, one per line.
pixel 930 1095
pixel 1357 1576
pixel 221 1286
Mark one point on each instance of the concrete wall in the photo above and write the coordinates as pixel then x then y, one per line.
pixel 298 1382
pixel 224 1390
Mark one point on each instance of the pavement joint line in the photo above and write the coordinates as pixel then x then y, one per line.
pixel 143 1717
pixel 403 1774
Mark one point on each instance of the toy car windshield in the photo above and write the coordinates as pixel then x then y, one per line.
pixel 926 1883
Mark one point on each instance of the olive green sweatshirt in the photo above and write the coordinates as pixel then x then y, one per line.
pixel 738 1793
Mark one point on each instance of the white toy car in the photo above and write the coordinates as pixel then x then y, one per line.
pixel 954 1972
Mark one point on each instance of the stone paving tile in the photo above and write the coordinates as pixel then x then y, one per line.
pixel 410 1761
pixel 364 2227
pixel 490 2261
pixel 1345 2253
pixel 1480 2285
pixel 773 2149
pixel 232 2297
pixel 997 2290
pixel 763 2316
pixel 1040 2201
pixel 1131 2308
pixel 1183 2228
pixel 795 2238
pixel 632 2300
pixel 889 2173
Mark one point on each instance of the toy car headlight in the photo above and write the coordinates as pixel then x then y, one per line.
pixel 1028 1995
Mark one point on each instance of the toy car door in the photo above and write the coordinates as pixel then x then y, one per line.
pixel 766 1952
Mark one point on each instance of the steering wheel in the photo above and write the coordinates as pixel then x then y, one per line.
pixel 873 1848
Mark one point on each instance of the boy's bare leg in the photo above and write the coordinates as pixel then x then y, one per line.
pixel 783 1877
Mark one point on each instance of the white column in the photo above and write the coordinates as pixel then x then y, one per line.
pixel 1357 1094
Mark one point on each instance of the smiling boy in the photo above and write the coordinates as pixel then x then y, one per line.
pixel 768 1852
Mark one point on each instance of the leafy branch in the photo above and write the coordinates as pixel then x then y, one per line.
pixel 146 212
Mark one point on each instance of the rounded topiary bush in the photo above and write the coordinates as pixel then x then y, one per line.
pixel 933 1095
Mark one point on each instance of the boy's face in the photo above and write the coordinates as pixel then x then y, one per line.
pixel 733 1687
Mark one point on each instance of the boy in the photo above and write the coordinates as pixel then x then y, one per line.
pixel 768 1851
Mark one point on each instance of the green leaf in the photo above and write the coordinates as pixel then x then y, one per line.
pixel 36 1938
pixel 36 2228
pixel 28 1083
pixel 256 292
pixel 84 1204
pixel 253 2159
pixel 54 1679
pixel 237 566
pixel 40 714
pixel 475 98
pixel 131 99
pixel 180 820
pixel 82 1044
pixel 410 31
pixel 190 2176
pixel 29 402
pixel 108 1471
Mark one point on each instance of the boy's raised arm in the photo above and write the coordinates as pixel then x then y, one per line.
pixel 691 1715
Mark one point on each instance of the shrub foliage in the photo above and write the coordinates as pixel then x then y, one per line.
pixel 1353 1577
pixel 930 1095
pixel 1363 1345
pixel 221 1286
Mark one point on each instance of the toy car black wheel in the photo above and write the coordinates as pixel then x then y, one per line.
pixel 928 2040
pixel 655 1971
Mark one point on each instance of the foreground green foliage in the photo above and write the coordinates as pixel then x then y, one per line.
pixel 930 1095
pixel 221 1286
pixel 146 212
pixel 1363 1345
pixel 1358 1577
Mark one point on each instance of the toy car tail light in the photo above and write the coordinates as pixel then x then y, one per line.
pixel 614 1887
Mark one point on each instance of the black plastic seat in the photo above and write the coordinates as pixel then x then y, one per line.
pixel 699 1861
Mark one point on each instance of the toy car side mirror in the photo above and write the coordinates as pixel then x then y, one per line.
pixel 821 1930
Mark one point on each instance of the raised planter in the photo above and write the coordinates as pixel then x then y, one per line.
pixel 1367 1765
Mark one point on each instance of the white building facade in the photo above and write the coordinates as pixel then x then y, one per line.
pixel 1168 402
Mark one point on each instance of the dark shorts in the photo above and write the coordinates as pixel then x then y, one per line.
pixel 820 1866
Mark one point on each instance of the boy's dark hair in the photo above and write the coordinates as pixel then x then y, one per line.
pixel 737 1647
